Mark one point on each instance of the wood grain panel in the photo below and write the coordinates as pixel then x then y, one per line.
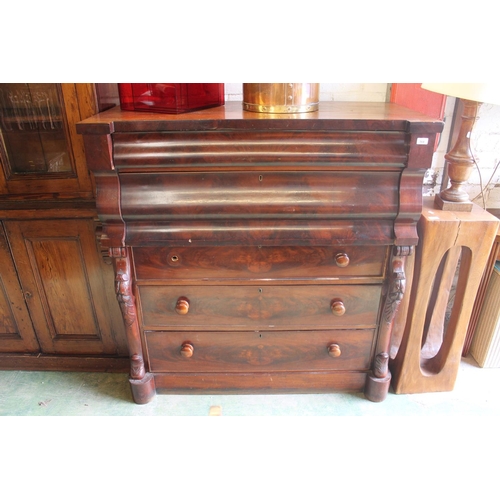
pixel 336 116
pixel 7 321
pixel 259 307
pixel 260 382
pixel 16 330
pixel 259 351
pixel 256 147
pixel 61 272
pixel 242 195
pixel 257 262
pixel 67 363
pixel 64 283
pixel 263 232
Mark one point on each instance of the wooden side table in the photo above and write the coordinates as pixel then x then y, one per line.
pixel 448 267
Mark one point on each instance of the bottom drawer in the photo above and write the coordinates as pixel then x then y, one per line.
pixel 259 351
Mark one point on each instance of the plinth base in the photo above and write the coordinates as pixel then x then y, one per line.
pixel 452 206
pixel 376 389
pixel 143 390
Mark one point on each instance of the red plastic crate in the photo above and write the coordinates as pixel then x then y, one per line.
pixel 170 97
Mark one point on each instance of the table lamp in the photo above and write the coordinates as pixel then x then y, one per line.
pixel 459 158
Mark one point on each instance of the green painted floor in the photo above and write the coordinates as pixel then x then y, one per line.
pixel 23 393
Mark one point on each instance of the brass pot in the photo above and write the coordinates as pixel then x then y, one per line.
pixel 281 97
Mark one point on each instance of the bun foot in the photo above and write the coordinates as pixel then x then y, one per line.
pixel 376 389
pixel 144 389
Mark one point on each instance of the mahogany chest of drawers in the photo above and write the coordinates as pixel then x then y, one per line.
pixel 260 253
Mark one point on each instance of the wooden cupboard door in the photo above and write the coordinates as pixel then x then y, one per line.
pixel 60 270
pixel 16 330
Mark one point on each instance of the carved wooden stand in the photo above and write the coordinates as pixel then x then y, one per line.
pixel 429 354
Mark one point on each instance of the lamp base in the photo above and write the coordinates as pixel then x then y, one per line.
pixel 452 206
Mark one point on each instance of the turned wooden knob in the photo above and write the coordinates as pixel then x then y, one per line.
pixel 187 350
pixel 337 307
pixel 182 306
pixel 342 259
pixel 334 350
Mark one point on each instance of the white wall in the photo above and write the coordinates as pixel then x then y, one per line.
pixel 484 183
pixel 485 145
pixel 374 92
pixel 485 139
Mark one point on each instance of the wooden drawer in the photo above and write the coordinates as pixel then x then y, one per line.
pixel 259 351
pixel 166 196
pixel 254 307
pixel 254 262
pixel 262 143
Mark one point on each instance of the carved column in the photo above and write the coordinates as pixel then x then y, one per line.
pixel 142 382
pixel 378 381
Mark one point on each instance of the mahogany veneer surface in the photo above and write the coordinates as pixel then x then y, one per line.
pixel 260 252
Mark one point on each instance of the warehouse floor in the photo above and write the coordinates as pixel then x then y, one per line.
pixel 24 393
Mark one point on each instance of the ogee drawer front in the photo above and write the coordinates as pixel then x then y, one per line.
pixel 258 144
pixel 258 262
pixel 242 195
pixel 259 351
pixel 244 307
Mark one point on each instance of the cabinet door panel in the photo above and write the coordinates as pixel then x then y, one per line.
pixel 66 295
pixel 61 271
pixel 16 329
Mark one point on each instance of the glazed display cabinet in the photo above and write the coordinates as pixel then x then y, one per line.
pixel 57 304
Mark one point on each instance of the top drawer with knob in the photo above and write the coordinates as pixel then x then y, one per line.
pixel 259 262
pixel 222 195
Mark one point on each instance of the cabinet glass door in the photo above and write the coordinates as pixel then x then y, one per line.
pixel 41 154
pixel 33 131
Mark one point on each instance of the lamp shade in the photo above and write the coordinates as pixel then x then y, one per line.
pixel 479 92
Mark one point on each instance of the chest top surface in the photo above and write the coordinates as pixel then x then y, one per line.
pixel 330 116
